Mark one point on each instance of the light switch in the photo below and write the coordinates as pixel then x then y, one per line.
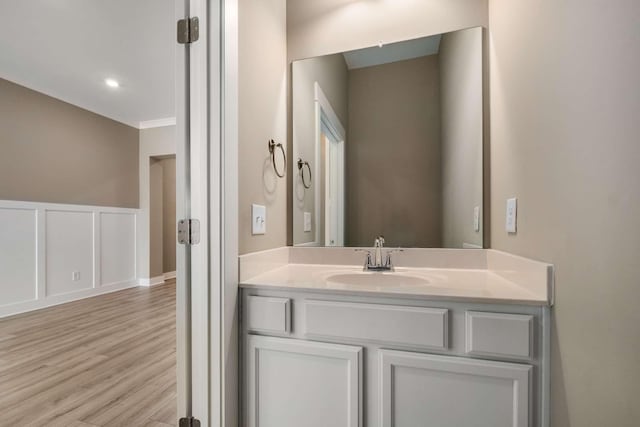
pixel 512 215
pixel 476 219
pixel 307 221
pixel 258 219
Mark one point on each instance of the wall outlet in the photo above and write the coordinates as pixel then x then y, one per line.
pixel 75 276
pixel 512 215
pixel 307 221
pixel 258 219
pixel 476 219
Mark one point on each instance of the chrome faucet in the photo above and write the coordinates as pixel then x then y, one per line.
pixel 373 260
pixel 378 244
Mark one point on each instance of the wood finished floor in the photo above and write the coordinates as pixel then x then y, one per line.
pixel 102 361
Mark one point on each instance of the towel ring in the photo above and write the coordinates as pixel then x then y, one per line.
pixel 302 164
pixel 272 150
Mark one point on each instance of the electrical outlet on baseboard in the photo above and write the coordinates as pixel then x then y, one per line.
pixel 75 276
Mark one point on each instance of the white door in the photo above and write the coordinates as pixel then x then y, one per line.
pixel 444 391
pixel 334 191
pixel 295 383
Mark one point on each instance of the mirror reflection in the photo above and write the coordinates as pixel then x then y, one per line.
pixel 388 141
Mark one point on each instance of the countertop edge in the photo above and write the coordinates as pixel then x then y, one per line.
pixel 450 298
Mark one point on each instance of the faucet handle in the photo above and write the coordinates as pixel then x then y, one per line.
pixel 367 261
pixel 387 261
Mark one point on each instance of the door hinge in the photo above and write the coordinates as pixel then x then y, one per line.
pixel 188 30
pixel 188 231
pixel 189 422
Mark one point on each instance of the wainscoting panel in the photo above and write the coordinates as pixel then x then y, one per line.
pixel 69 250
pixel 117 248
pixel 17 255
pixel 53 253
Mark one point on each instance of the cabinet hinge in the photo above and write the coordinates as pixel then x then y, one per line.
pixel 188 30
pixel 188 231
pixel 189 422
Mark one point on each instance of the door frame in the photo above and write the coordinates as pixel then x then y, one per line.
pixel 206 160
pixel 330 145
pixel 326 118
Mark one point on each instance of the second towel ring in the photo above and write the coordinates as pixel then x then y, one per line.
pixel 301 164
pixel 272 150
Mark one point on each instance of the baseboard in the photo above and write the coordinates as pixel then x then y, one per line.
pixel 153 281
pixel 26 306
pixel 170 275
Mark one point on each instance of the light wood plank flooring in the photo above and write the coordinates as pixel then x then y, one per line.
pixel 103 361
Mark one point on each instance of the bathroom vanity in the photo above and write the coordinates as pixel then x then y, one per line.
pixel 450 338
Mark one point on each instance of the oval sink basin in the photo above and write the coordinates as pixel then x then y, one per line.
pixel 377 279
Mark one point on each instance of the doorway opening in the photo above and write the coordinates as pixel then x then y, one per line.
pixel 162 217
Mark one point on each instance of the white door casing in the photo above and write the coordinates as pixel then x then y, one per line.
pixel 334 190
pixel 327 122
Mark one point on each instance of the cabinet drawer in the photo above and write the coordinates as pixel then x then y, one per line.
pixel 384 324
pixel 268 314
pixel 499 334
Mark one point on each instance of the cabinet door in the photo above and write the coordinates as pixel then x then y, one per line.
pixel 294 383
pixel 444 391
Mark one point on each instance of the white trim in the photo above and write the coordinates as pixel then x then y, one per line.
pixel 157 123
pixel 325 117
pixel 169 275
pixel 41 288
pixel 152 281
pixel 229 351
pixel 204 204
pixel 334 121
pixel 23 307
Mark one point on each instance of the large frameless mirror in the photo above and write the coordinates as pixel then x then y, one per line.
pixel 388 140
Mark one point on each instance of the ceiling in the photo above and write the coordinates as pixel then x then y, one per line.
pixel 67 48
pixel 392 52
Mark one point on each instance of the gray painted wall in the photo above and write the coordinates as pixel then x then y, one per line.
pixel 162 220
pixel 332 75
pixel 461 113
pixel 262 116
pixel 56 152
pixel 156 219
pixel 565 102
pixel 393 164
pixel 169 214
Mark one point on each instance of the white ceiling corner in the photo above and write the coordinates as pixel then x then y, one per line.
pixel 67 48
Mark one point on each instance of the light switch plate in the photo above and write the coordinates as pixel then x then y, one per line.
pixel 512 215
pixel 307 221
pixel 258 219
pixel 476 219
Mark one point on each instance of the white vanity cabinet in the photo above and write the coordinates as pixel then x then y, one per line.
pixel 302 383
pixel 321 359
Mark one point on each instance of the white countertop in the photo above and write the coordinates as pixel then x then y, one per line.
pixel 501 278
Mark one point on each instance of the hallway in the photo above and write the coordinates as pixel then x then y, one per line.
pixel 103 361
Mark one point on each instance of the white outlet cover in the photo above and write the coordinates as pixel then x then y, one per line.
pixel 512 215
pixel 307 221
pixel 258 219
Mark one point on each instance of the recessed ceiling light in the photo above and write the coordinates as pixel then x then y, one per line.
pixel 112 83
